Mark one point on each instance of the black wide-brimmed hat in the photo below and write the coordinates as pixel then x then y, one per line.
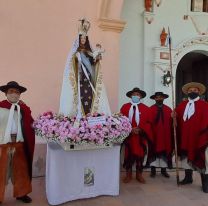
pixel 159 94
pixel 12 84
pixel 136 89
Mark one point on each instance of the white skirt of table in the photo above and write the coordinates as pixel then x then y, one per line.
pixel 65 173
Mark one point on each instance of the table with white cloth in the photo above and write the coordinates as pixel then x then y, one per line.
pixel 65 171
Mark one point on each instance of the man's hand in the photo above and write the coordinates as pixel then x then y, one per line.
pixel 173 114
pixel 136 130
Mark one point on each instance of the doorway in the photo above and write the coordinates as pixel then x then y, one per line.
pixel 193 67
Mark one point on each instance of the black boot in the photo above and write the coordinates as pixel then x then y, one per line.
pixel 204 179
pixel 153 172
pixel 164 173
pixel 188 177
pixel 25 199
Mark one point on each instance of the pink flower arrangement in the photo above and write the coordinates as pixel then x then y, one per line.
pixel 59 128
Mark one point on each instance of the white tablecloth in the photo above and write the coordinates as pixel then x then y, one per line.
pixel 65 173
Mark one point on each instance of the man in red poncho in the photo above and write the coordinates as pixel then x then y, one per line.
pixel 136 143
pixel 161 124
pixel 192 128
pixel 17 140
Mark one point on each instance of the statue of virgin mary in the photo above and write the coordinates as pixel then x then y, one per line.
pixel 83 91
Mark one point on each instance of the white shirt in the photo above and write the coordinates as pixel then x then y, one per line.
pixel 4 116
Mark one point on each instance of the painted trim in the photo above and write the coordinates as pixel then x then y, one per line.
pixel 104 7
pixel 111 25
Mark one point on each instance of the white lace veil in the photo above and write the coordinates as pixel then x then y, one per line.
pixel 74 48
pixel 66 97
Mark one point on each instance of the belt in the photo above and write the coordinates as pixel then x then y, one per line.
pixel 13 137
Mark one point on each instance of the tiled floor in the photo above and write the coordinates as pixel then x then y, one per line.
pixel 157 192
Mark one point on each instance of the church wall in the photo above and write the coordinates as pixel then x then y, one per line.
pixel 36 37
pixel 131 49
pixel 141 58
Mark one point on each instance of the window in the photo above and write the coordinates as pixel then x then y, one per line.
pixel 199 5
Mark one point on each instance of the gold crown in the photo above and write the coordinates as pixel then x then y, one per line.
pixel 84 26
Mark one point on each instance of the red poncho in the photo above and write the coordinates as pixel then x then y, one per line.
pixel 192 134
pixel 136 144
pixel 161 124
pixel 27 130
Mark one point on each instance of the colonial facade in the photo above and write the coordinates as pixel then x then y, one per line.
pixel 145 61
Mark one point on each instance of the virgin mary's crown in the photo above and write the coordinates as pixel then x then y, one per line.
pixel 84 26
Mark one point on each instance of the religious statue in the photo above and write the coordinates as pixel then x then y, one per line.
pixel 83 91
pixel 148 5
pixel 163 37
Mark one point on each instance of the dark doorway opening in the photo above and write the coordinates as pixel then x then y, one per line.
pixel 193 67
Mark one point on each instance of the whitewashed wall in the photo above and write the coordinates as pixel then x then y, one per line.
pixel 131 52
pixel 139 39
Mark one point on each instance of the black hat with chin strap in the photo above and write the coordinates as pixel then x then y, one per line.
pixel 10 85
pixel 136 89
